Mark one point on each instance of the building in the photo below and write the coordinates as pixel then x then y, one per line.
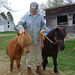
pixel 63 16
pixel 6 25
pixel 44 14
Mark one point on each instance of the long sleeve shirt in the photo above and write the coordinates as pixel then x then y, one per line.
pixel 33 25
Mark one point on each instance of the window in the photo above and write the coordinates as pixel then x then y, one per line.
pixel 73 18
pixel 62 20
pixel 8 26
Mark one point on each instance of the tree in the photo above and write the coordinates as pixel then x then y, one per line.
pixel 51 3
pixel 54 3
pixel 48 4
pixel 3 15
pixel 57 3
pixel 70 1
pixel 5 4
pixel 10 16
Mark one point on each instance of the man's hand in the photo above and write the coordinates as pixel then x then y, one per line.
pixel 22 31
pixel 42 31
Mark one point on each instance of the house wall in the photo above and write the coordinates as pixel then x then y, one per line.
pixel 51 17
pixel 1 18
pixel 1 28
pixel 51 21
pixel 9 27
pixel 6 25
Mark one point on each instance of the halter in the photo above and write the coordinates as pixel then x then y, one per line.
pixel 27 45
pixel 56 41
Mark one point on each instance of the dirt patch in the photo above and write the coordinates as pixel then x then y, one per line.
pixel 4 68
pixel 69 37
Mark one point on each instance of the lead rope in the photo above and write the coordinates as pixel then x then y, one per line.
pixel 42 37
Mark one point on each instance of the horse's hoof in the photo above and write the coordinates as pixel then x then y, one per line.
pixel 19 73
pixel 57 73
pixel 44 69
pixel 9 72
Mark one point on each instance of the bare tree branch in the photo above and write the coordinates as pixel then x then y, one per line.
pixel 5 4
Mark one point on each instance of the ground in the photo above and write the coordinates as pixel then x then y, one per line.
pixel 4 67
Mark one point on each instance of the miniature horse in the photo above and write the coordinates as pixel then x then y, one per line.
pixel 16 47
pixel 57 36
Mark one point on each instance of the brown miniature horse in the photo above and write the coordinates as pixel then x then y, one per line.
pixel 16 47
pixel 57 36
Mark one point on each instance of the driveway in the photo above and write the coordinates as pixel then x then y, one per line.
pixel 6 34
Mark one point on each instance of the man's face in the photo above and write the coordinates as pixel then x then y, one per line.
pixel 33 7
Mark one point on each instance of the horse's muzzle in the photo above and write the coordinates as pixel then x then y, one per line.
pixel 61 45
pixel 27 51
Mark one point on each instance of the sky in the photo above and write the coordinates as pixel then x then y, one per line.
pixel 21 7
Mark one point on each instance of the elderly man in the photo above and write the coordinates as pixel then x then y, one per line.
pixel 34 23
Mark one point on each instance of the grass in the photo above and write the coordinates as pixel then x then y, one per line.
pixel 3 43
pixel 66 58
pixel 9 32
pixel 72 34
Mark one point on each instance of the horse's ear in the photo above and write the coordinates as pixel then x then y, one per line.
pixel 18 34
pixel 64 28
pixel 56 29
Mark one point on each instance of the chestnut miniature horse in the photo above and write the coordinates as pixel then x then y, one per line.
pixel 16 47
pixel 57 36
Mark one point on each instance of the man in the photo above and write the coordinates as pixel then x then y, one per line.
pixel 34 24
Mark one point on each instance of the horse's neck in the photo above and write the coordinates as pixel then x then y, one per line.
pixel 16 44
pixel 51 34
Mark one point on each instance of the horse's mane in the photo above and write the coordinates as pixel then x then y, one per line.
pixel 52 32
pixel 24 39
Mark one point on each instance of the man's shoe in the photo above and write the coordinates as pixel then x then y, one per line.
pixel 29 71
pixel 39 71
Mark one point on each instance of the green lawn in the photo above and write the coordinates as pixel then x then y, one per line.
pixel 9 32
pixel 66 58
pixel 3 42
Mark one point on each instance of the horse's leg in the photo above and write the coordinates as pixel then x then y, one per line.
pixel 55 63
pixel 11 65
pixel 44 63
pixel 18 66
pixel 44 59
